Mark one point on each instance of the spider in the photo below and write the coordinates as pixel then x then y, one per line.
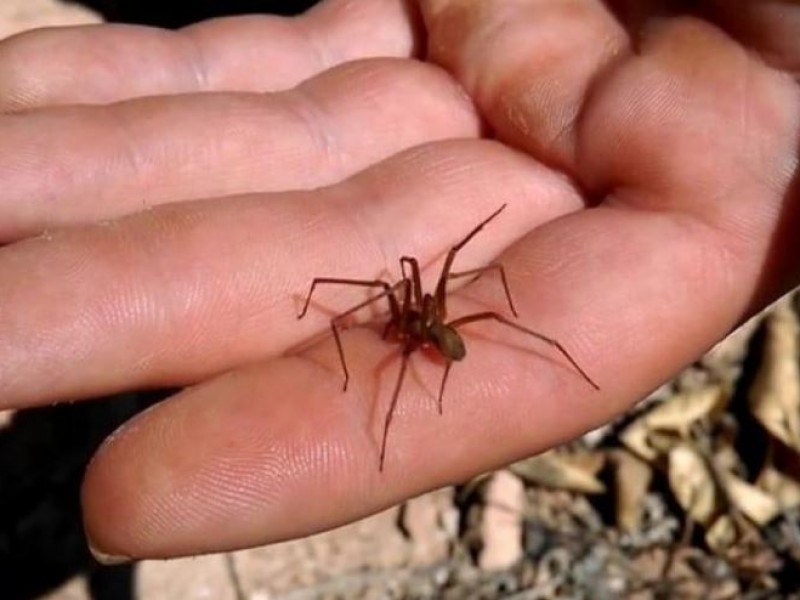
pixel 419 319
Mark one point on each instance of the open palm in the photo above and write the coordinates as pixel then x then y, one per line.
pixel 168 197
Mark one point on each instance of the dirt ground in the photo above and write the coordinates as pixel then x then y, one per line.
pixel 537 530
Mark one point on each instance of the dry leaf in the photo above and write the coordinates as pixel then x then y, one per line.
pixel 722 534
pixel 661 442
pixel 775 394
pixel 632 478
pixel 726 458
pixel 424 520
pixel 675 415
pixel 785 490
pixel 501 524
pixel 754 503
pixel 555 470
pixel 693 483
pixel 591 462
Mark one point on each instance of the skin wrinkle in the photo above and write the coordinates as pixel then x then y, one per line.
pixel 721 214
pixel 236 481
pixel 128 152
pixel 345 20
pixel 365 221
pixel 224 70
pixel 312 114
pixel 593 89
pixel 488 78
pixel 343 464
pixel 197 61
pixel 341 213
pixel 324 56
pixel 512 98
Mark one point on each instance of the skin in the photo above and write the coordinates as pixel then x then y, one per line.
pixel 649 162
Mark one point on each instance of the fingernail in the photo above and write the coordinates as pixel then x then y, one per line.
pixel 108 560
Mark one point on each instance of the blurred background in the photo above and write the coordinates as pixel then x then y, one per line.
pixel 693 495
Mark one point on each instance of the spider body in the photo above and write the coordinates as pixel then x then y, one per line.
pixel 419 320
pixel 424 329
pixel 448 342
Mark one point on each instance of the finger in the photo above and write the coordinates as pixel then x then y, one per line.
pixel 179 293
pixel 698 126
pixel 72 165
pixel 529 66
pixel 538 91
pixel 278 451
pixel 254 53
pixel 769 27
pixel 683 124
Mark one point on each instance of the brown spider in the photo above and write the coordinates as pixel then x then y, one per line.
pixel 418 319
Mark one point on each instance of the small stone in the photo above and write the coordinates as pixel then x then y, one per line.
pixel 501 525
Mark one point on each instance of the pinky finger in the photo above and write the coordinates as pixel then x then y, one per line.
pixel 257 53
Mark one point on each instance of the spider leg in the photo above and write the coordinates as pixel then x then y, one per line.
pixel 390 413
pixel 484 316
pixel 416 279
pixel 441 286
pixel 444 380
pixel 358 282
pixel 340 350
pixel 399 322
pixel 389 293
pixel 480 271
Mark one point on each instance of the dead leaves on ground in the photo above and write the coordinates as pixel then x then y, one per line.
pixel 691 438
pixel 696 444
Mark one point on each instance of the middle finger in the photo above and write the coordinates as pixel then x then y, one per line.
pixel 77 164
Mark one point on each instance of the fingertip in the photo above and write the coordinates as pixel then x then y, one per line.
pixel 236 462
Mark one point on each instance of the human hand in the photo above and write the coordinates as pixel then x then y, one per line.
pixel 688 148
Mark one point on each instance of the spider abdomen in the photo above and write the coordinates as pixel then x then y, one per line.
pixel 448 341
